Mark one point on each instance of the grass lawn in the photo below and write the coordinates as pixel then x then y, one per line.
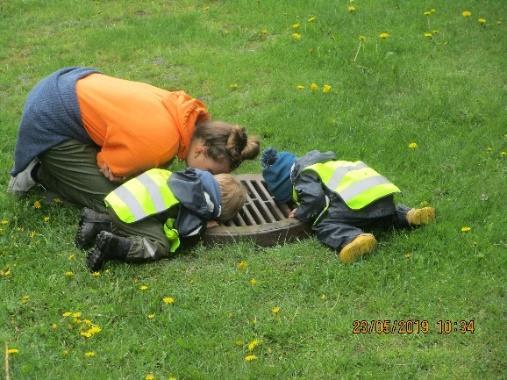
pixel 414 88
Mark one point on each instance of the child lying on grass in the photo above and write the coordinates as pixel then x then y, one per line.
pixel 149 213
pixel 339 198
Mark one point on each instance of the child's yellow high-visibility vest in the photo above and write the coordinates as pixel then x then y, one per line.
pixel 356 183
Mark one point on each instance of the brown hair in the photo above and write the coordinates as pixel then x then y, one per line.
pixel 227 141
pixel 233 196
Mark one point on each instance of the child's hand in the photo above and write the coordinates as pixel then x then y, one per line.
pixel 292 214
pixel 211 224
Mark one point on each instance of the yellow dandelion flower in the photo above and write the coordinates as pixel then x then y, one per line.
pixel 312 18
pixel 412 145
pixel 466 13
pixel 253 282
pixel 54 326
pixel 250 358
pixel 300 87
pixel 90 354
pixel 242 265
pixel 86 334
pixel 362 38
pixel 314 87
pixel 351 8
pixel 91 331
pixel 168 300
pixel 69 274
pixel 384 35
pixel 12 351
pixel 149 376
pixel 75 314
pixel 4 221
pixel 151 316
pixel 5 273
pixel 275 310
pixel 37 204
pixel 46 219
pixel 482 20
pixel 296 36
pixel 71 257
pixel 87 322
pixel 233 86
pixel 25 299
pixel 32 234
pixel 503 154
pixel 428 34
pixel 143 287
pixel 296 26
pixel 96 274
pixel 427 13
pixel 252 344
pixel 326 89
pixel 67 314
pixel 466 229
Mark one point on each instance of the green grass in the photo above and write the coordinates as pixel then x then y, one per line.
pixel 446 93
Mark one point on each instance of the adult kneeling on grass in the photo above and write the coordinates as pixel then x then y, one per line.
pixel 82 131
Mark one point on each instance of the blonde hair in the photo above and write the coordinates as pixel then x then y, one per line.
pixel 233 196
pixel 227 141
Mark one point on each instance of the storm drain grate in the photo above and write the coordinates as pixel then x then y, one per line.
pixel 261 219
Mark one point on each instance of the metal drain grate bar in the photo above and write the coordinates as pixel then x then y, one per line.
pixel 261 218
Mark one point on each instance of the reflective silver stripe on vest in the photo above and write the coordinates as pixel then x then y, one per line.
pixel 339 172
pixel 154 191
pixel 130 200
pixel 358 187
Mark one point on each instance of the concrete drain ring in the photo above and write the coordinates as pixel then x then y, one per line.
pixel 261 219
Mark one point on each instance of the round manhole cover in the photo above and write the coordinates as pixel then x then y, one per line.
pixel 261 219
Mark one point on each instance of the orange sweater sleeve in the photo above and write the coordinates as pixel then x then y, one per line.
pixel 137 126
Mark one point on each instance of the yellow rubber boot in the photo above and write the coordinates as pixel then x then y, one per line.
pixel 420 216
pixel 360 246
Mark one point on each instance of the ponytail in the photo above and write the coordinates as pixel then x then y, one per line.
pixel 227 141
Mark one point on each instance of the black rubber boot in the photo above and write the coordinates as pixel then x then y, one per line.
pixel 90 224
pixel 107 247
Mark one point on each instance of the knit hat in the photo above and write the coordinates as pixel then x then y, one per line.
pixel 276 173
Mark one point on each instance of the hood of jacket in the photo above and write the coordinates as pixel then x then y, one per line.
pixel 308 159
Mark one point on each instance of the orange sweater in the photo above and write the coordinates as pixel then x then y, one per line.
pixel 137 126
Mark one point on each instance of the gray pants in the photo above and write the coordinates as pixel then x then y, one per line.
pixel 341 225
pixel 147 236
pixel 70 170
